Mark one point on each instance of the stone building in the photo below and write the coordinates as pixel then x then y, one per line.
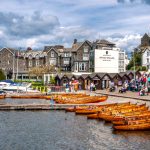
pixel 17 63
pixel 145 50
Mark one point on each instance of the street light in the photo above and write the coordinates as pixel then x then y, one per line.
pixel 134 63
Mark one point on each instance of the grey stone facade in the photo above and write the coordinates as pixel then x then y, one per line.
pixel 74 59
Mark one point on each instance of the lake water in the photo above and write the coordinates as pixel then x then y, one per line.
pixel 58 130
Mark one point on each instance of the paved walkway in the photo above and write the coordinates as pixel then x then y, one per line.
pixel 128 94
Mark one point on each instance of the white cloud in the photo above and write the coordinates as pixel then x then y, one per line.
pixel 127 42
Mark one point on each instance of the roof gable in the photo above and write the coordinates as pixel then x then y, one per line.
pixel 78 45
pixel 12 51
pixel 51 50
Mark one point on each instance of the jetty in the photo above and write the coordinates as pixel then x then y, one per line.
pixel 16 107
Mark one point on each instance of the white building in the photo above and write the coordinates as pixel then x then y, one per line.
pixel 127 60
pixel 107 58
pixel 145 49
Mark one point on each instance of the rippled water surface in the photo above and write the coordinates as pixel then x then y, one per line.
pixel 57 130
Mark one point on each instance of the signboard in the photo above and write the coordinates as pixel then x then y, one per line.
pixel 106 61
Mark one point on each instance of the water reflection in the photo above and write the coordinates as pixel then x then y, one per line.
pixel 58 130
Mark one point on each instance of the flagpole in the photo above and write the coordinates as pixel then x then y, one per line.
pixel 13 67
pixel 17 64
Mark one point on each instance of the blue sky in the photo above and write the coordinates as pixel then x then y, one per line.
pixel 38 23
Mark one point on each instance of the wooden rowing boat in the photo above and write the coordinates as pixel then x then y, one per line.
pixel 137 121
pixel 73 109
pixel 119 118
pixel 89 99
pixel 2 96
pixel 31 96
pixel 142 126
pixel 93 116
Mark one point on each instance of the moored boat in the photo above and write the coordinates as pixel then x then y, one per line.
pixel 142 126
pixel 2 96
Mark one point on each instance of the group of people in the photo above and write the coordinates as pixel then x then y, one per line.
pixel 139 84
pixel 73 86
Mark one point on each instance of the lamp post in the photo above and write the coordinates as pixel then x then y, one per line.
pixel 134 64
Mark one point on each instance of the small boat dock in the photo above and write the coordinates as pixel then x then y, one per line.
pixel 22 107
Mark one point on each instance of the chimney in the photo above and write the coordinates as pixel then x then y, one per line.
pixel 29 49
pixel 75 41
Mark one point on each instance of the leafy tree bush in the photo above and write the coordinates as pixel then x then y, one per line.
pixel 2 75
pixel 52 80
pixel 136 60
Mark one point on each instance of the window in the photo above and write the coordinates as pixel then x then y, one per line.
pixel 66 55
pixel 30 63
pixel 82 66
pixel 85 49
pixel 8 62
pixel 76 67
pixel 147 60
pixel 52 61
pixel 121 56
pixel 85 56
pixel 37 62
pixel 52 53
pixel 148 53
pixel 66 61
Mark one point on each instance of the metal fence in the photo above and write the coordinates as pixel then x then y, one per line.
pixel 56 89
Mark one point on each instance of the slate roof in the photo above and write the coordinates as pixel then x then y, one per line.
pixel 34 54
pixel 77 45
pixel 105 42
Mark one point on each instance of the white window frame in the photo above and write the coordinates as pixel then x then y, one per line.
pixel 37 62
pixel 30 63
pixel 85 56
pixel 86 50
pixel 66 61
pixel 52 61
pixel 82 66
pixel 76 67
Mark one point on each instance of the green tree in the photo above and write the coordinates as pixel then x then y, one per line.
pixel 52 80
pixel 2 75
pixel 136 59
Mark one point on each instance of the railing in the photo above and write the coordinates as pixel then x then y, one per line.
pixel 56 89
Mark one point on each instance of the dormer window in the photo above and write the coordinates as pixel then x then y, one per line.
pixel 52 53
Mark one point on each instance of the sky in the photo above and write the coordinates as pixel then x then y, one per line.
pixel 38 23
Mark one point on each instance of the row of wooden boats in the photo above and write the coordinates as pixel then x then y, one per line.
pixel 124 116
pixel 77 98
